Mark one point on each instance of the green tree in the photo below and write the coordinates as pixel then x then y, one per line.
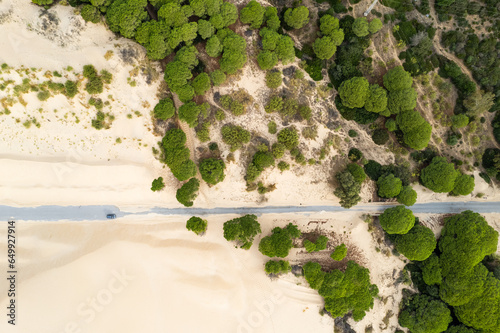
pixel 273 79
pixel 439 176
pixel 213 47
pixel 423 314
pixel 339 253
pixel 189 113
pixel 465 240
pixel 235 136
pixel 377 99
pixel 271 18
pixel 177 74
pixel 253 14
pixel 462 285
pixel 348 189
pixel 328 24
pixel 227 16
pixel 397 220
pixel 397 79
pixel 71 88
pixel 201 84
pixel 279 243
pixel 431 270
pixel 267 60
pixel 407 196
pixel 478 103
pixel 212 170
pixel 157 184
pixel 324 47
pixel 357 172
pixel 125 16
pixel 242 230
pixel 417 132
pixel 188 192
pixel 380 136
pixel 197 225
pixel 375 25
pixel 288 137
pixel 360 27
pixel 172 14
pixel 313 274
pixel 285 50
pixel 218 77
pixel 460 329
pixel 348 292
pixel 278 150
pixel 354 92
pixel 391 125
pixel 309 246
pixel 459 120
pixel 90 13
pixel 401 100
pixel 483 312
pixel 185 93
pixel 297 17
pixel 205 29
pixel 164 109
pixel 274 267
pixel 464 185
pixel 389 186
pixel 418 244
pixel 232 60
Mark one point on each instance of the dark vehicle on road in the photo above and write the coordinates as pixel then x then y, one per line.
pixel 111 216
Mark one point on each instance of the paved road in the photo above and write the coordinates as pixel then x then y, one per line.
pixel 93 213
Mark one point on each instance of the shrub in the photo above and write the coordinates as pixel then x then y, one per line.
pixel 197 225
pixel 397 79
pixel 243 230
pixel 71 88
pixel 380 136
pixel 272 127
pixel 377 99
pixel 373 169
pixel 274 104
pixel 188 192
pixel 397 220
pixel 352 133
pixel 212 170
pixel 157 184
pixel 407 196
pixel 278 150
pixel 267 59
pixel 189 113
pixel 235 136
pixel 279 243
pixel 283 166
pixel 431 270
pixel 354 154
pixel 309 246
pixel 288 137
pixel 273 80
pixel 164 109
pixel 418 244
pixel 305 112
pixel 43 95
pixel 253 14
pixel 375 25
pixel 339 253
pixel 360 27
pixel 277 267
pixel 389 186
pixel 459 120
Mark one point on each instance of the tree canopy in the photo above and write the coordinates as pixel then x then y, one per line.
pixel 339 253
pixel 279 243
pixel 297 17
pixel 188 192
pixel 464 185
pixel 164 109
pixel 242 229
pixel 212 170
pixel 439 176
pixel 360 27
pixel 397 220
pixel 389 186
pixel 197 225
pixel 354 92
pixel 423 314
pixel 397 79
pixel 407 196
pixel 418 244
pixel 377 99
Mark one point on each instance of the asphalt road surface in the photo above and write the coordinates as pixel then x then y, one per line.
pixel 96 213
